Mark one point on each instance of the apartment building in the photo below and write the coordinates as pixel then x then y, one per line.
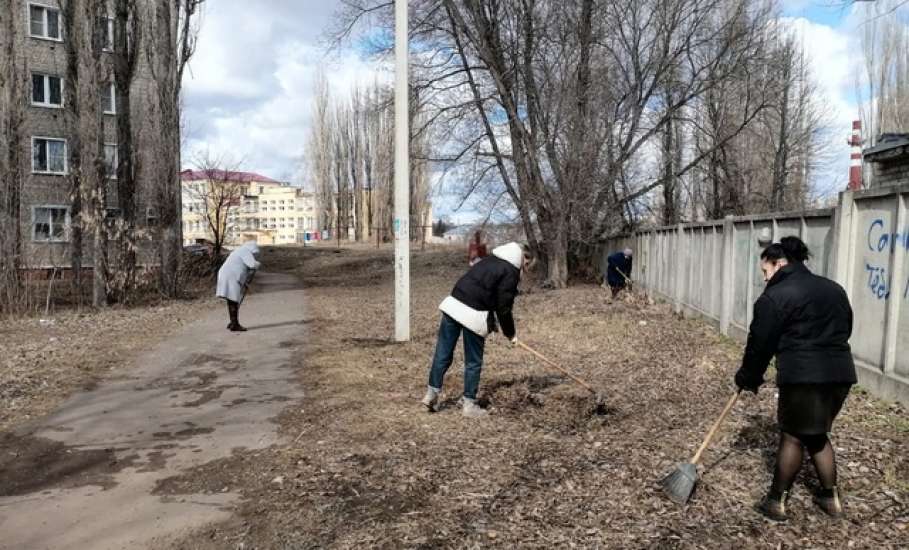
pixel 46 187
pixel 263 210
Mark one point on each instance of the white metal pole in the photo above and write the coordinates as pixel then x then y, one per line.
pixel 402 176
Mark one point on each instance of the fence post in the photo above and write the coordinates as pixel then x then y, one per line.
pixel 845 216
pixel 681 260
pixel 897 280
pixel 726 279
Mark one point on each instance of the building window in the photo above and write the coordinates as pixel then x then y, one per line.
pixel 110 160
pixel 48 156
pixel 261 189
pixel 44 22
pixel 109 99
pixel 107 33
pixel 47 90
pixel 151 216
pixel 111 215
pixel 49 223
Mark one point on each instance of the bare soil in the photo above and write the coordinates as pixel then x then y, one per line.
pixel 31 464
pixel 366 466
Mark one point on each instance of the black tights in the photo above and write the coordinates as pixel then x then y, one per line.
pixel 233 311
pixel 789 461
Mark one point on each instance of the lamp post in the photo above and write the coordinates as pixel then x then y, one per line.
pixel 402 176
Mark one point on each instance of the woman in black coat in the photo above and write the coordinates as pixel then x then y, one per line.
pixel 805 321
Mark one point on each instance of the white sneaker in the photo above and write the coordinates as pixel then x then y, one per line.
pixel 430 399
pixel 472 410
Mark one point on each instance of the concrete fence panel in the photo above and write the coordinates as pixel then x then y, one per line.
pixel 712 269
pixel 876 277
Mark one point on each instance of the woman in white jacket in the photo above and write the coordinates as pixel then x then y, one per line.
pixel 485 293
pixel 233 277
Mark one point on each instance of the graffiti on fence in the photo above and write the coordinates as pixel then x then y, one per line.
pixel 877 281
pixel 880 240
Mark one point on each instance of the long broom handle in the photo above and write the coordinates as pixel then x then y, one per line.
pixel 555 365
pixel 716 426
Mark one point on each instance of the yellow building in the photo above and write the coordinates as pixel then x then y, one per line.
pixel 264 210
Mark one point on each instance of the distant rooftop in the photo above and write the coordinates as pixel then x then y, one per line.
pixel 223 175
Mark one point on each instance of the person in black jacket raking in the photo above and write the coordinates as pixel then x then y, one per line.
pixel 805 321
pixel 485 293
pixel 618 271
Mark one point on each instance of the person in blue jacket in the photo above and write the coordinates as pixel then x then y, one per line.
pixel 618 271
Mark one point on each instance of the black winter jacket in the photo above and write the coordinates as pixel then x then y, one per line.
pixel 491 285
pixel 806 321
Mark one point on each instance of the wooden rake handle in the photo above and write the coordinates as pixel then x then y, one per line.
pixel 716 426
pixel 556 366
pixel 627 279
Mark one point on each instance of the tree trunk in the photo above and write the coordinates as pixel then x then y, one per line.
pixel 557 259
pixel 125 47
pixel 12 88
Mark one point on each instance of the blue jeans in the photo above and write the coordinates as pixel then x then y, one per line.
pixel 449 331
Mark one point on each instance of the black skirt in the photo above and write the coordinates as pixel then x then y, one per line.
pixel 809 409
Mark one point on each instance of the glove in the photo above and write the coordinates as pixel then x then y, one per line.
pixel 746 382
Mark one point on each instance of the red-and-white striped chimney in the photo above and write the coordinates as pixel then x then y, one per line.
pixel 855 157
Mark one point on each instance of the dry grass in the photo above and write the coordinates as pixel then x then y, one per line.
pixel 368 467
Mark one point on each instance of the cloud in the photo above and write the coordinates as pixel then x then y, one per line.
pixel 832 54
pixel 249 88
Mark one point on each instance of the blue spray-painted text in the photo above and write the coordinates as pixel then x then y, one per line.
pixel 880 240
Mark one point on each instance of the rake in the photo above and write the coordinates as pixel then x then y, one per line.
pixel 600 399
pixel 679 485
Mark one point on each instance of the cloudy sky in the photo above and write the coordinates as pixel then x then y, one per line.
pixel 249 88
pixel 250 85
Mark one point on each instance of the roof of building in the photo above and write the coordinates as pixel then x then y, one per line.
pixel 224 175
pixel 889 146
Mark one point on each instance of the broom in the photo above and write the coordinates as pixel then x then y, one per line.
pixel 679 485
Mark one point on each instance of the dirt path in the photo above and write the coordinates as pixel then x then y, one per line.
pixel 92 474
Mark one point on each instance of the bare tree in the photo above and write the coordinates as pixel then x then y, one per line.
pixel 126 40
pixel 172 31
pixel 318 153
pixel 883 89
pixel 350 158
pixel 559 108
pixel 12 89
pixel 73 93
pixel 218 193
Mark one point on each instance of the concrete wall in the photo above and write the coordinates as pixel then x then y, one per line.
pixel 712 270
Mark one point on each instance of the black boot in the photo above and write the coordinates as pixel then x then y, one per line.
pixel 775 507
pixel 830 502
